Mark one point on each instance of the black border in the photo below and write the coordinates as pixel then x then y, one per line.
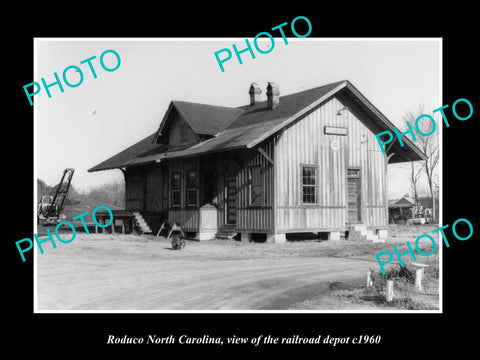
pixel 83 334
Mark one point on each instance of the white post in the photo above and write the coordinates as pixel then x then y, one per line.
pixel 389 290
pixel 419 271
pixel 418 279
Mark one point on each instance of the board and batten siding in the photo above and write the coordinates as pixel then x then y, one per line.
pixel 134 189
pixel 305 143
pixel 259 217
pixel 154 189
pixel 144 188
pixel 181 133
pixel 185 215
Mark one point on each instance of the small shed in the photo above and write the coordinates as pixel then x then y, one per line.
pixel 299 163
pixel 406 208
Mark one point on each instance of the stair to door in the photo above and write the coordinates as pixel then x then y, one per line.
pixel 360 232
pixel 226 233
pixel 141 223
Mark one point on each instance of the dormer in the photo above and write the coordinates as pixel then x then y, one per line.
pixel 186 123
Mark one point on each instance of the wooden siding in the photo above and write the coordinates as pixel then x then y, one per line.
pixel 134 189
pixel 181 133
pixel 154 180
pixel 256 218
pixel 299 219
pixel 181 166
pixel 187 216
pixel 305 143
pixel 194 218
pixel 144 189
pixel 188 219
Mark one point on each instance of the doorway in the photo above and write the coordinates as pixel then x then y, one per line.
pixel 354 196
pixel 231 199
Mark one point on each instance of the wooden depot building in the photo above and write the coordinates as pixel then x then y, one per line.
pixel 306 162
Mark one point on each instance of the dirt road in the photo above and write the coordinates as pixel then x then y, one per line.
pixel 125 272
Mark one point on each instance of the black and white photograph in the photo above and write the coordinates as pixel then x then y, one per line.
pixel 202 181
pixel 258 188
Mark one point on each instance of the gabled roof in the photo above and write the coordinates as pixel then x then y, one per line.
pixel 404 201
pixel 407 201
pixel 290 106
pixel 257 122
pixel 249 125
pixel 133 152
pixel 203 119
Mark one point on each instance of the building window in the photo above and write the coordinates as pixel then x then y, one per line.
pixel 255 185
pixel 309 184
pixel 191 183
pixel 175 185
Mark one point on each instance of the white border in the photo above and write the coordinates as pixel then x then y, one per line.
pixel 333 39
pixel 35 177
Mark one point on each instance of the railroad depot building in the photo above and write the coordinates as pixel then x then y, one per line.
pixel 307 162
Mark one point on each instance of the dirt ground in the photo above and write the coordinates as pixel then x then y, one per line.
pixel 129 272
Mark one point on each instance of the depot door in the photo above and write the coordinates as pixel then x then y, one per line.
pixel 354 196
pixel 230 200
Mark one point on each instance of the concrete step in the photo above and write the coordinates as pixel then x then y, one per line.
pixel 145 230
pixel 354 235
pixel 225 235
pixel 359 232
pixel 360 227
pixel 141 221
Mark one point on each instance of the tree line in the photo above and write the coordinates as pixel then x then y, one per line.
pixel 112 193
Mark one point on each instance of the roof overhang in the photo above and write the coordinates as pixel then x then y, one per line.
pixel 297 115
pixel 408 152
pixel 252 135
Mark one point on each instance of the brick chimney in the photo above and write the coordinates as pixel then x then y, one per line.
pixel 254 92
pixel 273 95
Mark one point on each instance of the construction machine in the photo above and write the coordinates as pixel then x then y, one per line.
pixel 50 207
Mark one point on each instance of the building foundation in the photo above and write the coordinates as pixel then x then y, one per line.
pixel 276 238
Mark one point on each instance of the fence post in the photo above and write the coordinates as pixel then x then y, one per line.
pixel 389 290
pixel 418 278
pixel 419 270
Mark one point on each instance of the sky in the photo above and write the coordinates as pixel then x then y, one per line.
pixel 87 124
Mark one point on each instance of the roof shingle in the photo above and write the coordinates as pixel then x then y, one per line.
pixel 206 119
pixel 242 127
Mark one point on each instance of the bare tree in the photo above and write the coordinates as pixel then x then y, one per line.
pixel 112 193
pixel 429 146
pixel 416 172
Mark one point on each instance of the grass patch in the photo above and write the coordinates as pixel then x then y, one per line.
pixel 406 295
